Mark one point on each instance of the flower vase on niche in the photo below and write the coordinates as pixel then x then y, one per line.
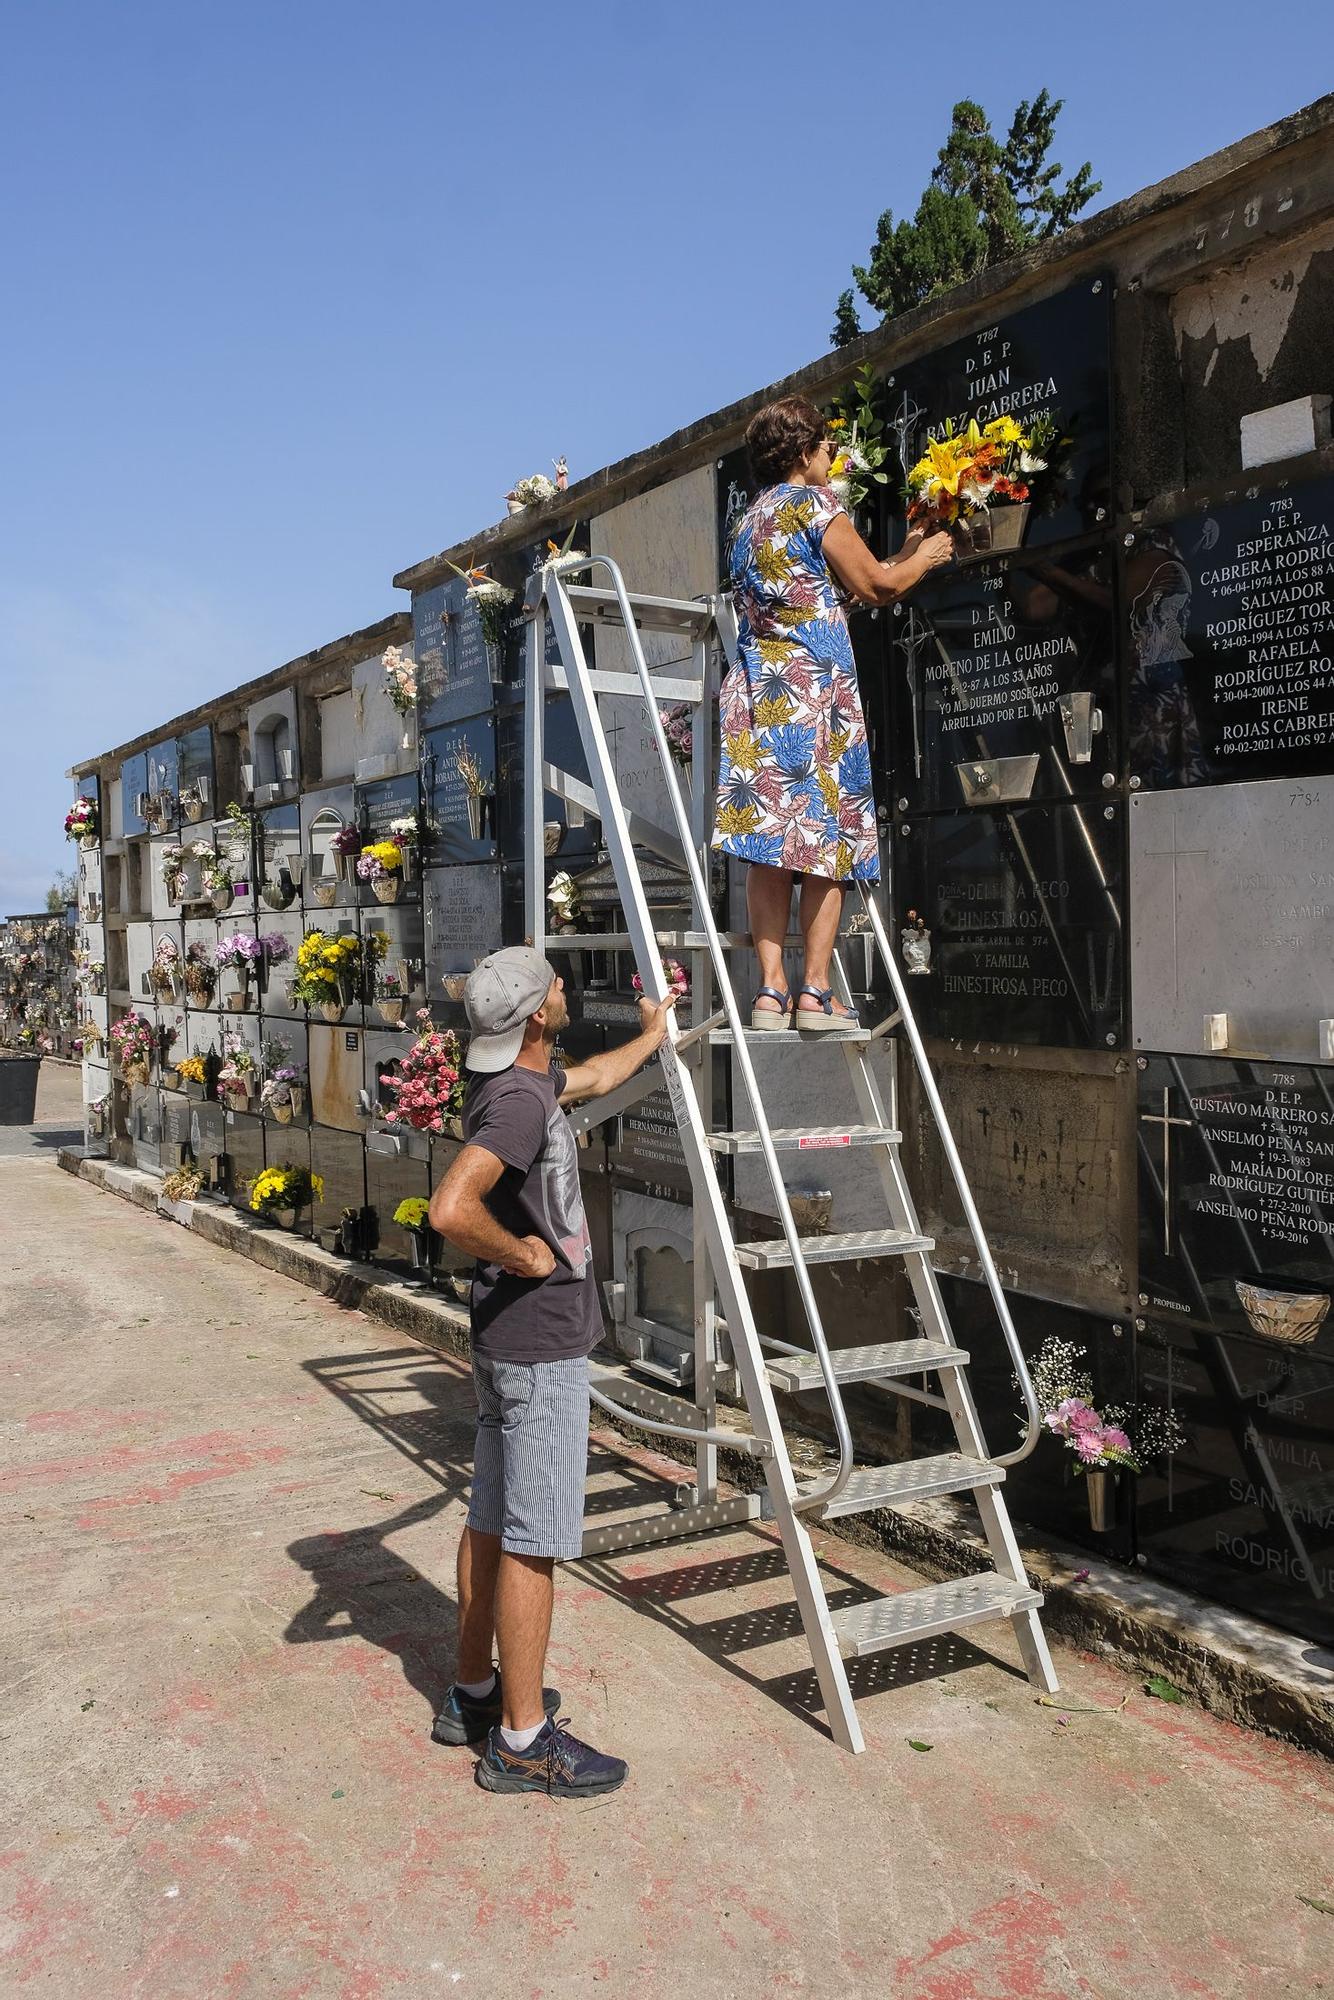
pixel 916 940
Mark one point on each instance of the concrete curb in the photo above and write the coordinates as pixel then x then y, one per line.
pixel 1232 1665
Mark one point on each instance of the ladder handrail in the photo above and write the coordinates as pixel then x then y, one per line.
pixel 1033 1415
pixel 653 982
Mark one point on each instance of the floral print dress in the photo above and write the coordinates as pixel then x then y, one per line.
pixel 795 777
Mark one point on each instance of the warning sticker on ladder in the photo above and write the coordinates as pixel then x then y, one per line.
pixel 817 1140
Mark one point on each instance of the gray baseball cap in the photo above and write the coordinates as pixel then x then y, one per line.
pixel 501 995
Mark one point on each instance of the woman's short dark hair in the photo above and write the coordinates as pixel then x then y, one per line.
pixel 780 435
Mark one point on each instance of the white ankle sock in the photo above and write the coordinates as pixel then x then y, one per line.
pixel 478 1690
pixel 520 1739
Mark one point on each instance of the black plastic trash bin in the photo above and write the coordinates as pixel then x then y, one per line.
pixel 18 1088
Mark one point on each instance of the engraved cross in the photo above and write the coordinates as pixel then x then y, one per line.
pixel 1166 1120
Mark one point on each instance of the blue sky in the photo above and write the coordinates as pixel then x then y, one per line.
pixel 295 291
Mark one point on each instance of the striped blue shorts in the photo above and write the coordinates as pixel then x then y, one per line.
pixel 531 1456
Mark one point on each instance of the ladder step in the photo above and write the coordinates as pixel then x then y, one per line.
pixel 807 1138
pixel 772 1253
pixel 789 1038
pixel 920 1614
pixel 909 1479
pixel 592 606
pixel 878 1363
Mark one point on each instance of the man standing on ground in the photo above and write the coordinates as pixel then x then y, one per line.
pixel 512 1200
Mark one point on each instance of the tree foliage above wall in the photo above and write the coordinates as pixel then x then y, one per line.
pixel 986 201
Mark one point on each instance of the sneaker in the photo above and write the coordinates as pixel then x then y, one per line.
pixel 554 1762
pixel 464 1719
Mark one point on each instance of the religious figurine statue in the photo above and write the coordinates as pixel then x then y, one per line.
pixel 562 474
pixel 916 944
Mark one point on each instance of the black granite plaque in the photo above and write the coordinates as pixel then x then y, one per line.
pixel 380 804
pixel 1051 359
pixel 245 1155
pixel 460 820
pixel 133 785
pixel 430 648
pixel 1023 909
pixel 569 847
pixel 340 1160
pixel 736 489
pixel 1231 627
pixel 1237 1197
pixel 1245 1511
pixel 1047 1489
pixel 208 1131
pixel 647 1148
pixel 1001 663
pixel 194 763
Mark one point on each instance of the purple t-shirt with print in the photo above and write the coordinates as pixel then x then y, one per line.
pixel 516 1115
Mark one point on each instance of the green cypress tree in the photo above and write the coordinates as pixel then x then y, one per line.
pixel 985 202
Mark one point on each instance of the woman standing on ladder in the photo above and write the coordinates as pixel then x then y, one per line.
pixel 795 795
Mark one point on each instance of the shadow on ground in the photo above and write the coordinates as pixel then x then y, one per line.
pixel 363 1589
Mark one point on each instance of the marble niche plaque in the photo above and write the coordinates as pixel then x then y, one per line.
pixel 1232 918
pixel 460 821
pixel 463 921
pixel 647 1148
pixel 1245 1511
pixel 1004 684
pixel 1023 910
pixel 1231 623
pixel 1237 1197
pixel 1050 359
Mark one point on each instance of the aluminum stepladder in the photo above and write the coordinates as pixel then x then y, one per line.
pixel 722 1304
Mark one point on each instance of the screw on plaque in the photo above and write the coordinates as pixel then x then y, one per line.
pixel 1139 1326
pixel 1111 1041
pixel 1101 514
pixel 1134 784
pixel 903 805
pixel 1144 1298
pixel 1108 780
pixel 1109 812
pixel 1128 541
pixel 1097 285
pixel 1141 1062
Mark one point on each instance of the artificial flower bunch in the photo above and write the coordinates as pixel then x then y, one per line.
pixel 135 1042
pixel 192 1069
pixel 412 1212
pixel 860 450
pixel 475 781
pixel 400 679
pixel 1131 1437
pixel 329 967
pixel 972 467
pixel 564 900
pixel 531 492
pixel 489 599
pixel 239 953
pixel 239 1073
pixel 678 727
pixel 215 872
pixel 346 841
pixel 200 974
pixel 678 979
pixel 81 820
pixel 381 858
pixel 427 1085
pixel 283 1187
pixel 165 969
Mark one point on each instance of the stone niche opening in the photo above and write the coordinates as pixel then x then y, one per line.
pixel 274 763
pixel 654 1293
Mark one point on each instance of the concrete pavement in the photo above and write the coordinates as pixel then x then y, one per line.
pixel 230 1508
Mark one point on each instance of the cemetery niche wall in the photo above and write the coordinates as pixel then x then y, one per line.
pixel 1104 769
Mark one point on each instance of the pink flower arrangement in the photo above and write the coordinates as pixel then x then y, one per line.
pixel 427 1085
pixel 1093 1441
pixel 678 980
